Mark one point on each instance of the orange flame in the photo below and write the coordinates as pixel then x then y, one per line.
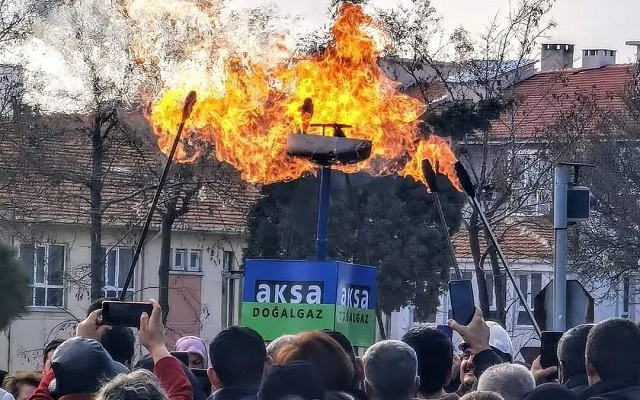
pixel 249 120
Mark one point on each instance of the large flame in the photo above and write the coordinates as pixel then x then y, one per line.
pixel 249 118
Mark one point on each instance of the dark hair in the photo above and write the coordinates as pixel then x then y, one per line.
pixel 571 350
pixel 325 354
pixel 612 349
pixel 347 346
pixel 237 355
pixel 51 346
pixel 435 357
pixel 97 304
pixel 12 382
pixel 119 342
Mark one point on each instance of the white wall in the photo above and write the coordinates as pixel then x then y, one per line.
pixel 21 344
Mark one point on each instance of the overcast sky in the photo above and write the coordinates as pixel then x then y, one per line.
pixel 585 23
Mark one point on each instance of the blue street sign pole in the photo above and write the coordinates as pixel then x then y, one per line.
pixel 323 213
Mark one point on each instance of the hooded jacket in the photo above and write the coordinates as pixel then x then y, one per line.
pixel 4 395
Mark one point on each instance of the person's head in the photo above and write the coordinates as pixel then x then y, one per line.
pixel 435 358
pixel 97 304
pixel 390 371
pixel 571 350
pixel 22 384
pixel 81 366
pixel 612 351
pixel 325 354
pixel 347 346
pixel 478 395
pixel 119 341
pixel 200 391
pixel 511 381
pixel 499 341
pixel 138 385
pixel 237 356
pixel 550 391
pixel 277 344
pixel 299 379
pixel 197 350
pixel 47 353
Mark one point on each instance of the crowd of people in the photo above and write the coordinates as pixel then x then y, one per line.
pixel 596 362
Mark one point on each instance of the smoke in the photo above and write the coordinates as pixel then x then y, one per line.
pixel 187 41
pixel 89 54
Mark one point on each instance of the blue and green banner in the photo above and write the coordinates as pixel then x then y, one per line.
pixel 287 297
pixel 356 303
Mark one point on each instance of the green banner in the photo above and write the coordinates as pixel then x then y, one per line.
pixel 274 320
pixel 357 324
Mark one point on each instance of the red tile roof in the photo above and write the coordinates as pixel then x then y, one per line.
pixel 542 98
pixel 521 239
pixel 43 179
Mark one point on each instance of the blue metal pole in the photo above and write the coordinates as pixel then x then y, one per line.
pixel 561 184
pixel 323 213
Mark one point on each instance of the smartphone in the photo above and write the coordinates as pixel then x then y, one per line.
pixel 124 313
pixel 549 348
pixel 203 379
pixel 446 329
pixel 462 301
pixel 182 356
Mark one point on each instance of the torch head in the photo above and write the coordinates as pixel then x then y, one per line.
pixel 429 175
pixel 465 180
pixel 189 102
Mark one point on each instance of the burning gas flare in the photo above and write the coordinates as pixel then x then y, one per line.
pixel 257 106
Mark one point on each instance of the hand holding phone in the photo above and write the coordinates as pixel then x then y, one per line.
pixel 549 348
pixel 124 313
pixel 462 301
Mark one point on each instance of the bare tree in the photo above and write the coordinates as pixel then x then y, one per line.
pixel 468 96
pixel 606 248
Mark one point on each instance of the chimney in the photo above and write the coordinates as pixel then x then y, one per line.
pixel 636 44
pixel 556 57
pixel 596 58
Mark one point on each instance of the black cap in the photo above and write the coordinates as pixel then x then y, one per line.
pixel 299 378
pixel 81 365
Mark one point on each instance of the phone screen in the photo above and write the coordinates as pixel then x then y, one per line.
pixel 462 301
pixel 549 348
pixel 446 329
pixel 122 313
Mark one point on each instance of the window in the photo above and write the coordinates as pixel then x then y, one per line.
pixel 195 261
pixel 116 267
pixel 530 285
pixel 531 187
pixel 179 259
pixel 490 291
pixel 429 319
pixel 228 258
pixel 44 265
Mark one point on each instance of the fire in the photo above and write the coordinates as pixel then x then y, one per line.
pixel 257 106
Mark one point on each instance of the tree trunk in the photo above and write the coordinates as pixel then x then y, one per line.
pixel 474 243
pixel 383 332
pixel 165 262
pixel 95 189
pixel 500 288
